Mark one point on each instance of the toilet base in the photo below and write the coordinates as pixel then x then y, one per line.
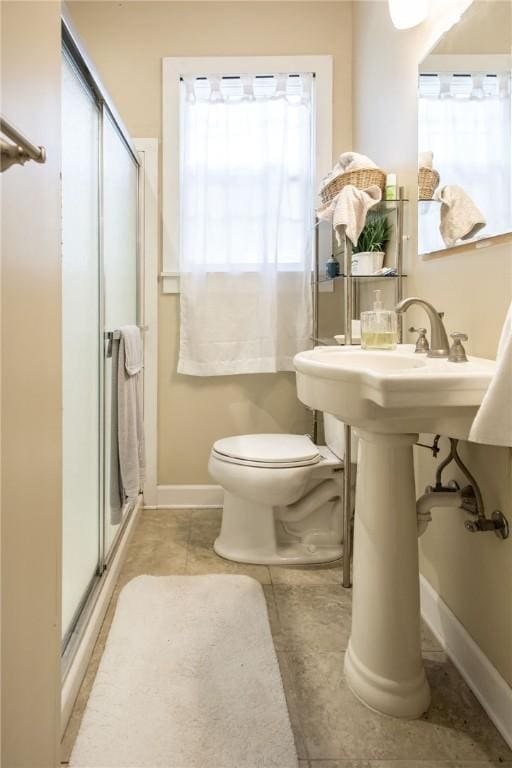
pixel 248 535
pixel 295 554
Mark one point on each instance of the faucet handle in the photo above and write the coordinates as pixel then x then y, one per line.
pixel 457 352
pixel 422 344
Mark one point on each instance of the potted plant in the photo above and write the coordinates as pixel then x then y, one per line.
pixel 368 254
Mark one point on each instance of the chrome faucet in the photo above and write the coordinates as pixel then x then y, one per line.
pixel 439 346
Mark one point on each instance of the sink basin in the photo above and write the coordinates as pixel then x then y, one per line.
pixel 393 391
pixel 364 359
pixel 389 396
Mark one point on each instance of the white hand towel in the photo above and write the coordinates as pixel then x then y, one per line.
pixel 460 217
pixel 348 210
pixel 493 421
pixel 426 159
pixel 130 426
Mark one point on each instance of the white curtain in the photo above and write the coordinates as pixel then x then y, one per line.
pixel 466 121
pixel 246 223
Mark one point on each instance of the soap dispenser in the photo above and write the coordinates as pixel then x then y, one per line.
pixel 378 327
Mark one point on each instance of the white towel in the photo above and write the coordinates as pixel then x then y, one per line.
pixel 493 421
pixel 426 159
pixel 348 210
pixel 132 463
pixel 460 217
pixel 353 161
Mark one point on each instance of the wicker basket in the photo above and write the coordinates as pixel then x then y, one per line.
pixel 362 179
pixel 428 179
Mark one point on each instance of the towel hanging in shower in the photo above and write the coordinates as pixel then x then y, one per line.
pixel 128 452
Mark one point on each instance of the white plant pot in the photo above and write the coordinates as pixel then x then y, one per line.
pixel 367 262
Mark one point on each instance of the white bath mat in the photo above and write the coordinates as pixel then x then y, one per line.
pixel 188 679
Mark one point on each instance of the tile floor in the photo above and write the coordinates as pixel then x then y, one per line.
pixel 310 619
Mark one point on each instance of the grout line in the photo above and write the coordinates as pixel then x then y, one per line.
pixel 189 537
pixel 290 679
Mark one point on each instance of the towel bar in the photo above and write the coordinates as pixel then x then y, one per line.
pixel 116 335
pixel 22 149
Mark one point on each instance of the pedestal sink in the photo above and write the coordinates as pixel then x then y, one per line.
pixel 389 397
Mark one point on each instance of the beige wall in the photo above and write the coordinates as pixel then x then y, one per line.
pixel 31 399
pixel 472 572
pixel 127 42
pixel 486 27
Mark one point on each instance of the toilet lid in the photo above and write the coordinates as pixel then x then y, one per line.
pixel 270 450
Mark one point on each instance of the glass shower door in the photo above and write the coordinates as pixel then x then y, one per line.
pixel 100 294
pixel 80 342
pixel 120 271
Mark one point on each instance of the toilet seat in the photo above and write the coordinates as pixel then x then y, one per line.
pixel 268 451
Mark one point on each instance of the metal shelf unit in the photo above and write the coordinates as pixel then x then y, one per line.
pixel 351 288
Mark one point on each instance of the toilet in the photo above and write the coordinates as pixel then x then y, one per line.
pixel 282 497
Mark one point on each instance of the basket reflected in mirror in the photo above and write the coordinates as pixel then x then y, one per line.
pixel 428 181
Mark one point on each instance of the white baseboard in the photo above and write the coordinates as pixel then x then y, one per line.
pixel 73 680
pixel 491 690
pixel 184 496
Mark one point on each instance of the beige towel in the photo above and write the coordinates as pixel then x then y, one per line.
pixel 460 217
pixel 130 425
pixel 348 210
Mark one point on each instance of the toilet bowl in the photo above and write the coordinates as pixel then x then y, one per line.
pixel 282 497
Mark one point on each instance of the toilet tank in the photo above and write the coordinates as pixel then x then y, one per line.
pixel 335 437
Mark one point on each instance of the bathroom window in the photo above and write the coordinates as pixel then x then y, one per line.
pixel 239 211
pixel 247 169
pixel 243 154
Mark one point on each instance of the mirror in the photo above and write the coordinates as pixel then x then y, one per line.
pixel 465 131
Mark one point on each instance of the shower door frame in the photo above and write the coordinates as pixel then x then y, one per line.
pixel 72 48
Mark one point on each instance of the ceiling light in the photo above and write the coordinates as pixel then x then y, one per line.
pixel 407 13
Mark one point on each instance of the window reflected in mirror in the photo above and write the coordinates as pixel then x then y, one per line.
pixel 465 131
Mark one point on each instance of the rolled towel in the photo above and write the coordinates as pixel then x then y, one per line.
pixel 348 210
pixel 353 161
pixel 460 217
pixel 426 159
pixel 493 421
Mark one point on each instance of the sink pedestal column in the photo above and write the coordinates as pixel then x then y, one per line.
pixel 383 664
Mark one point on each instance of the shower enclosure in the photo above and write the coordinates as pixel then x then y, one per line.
pixel 100 293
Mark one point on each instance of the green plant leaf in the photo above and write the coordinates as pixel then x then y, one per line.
pixel 375 234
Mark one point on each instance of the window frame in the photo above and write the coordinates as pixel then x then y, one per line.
pixel 173 69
